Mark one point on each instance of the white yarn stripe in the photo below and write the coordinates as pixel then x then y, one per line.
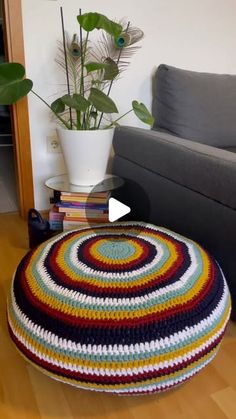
pixel 136 390
pixel 133 349
pixel 78 296
pixel 90 271
pixel 123 371
pixel 168 383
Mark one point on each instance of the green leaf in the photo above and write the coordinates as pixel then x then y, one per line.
pixel 109 26
pixel 91 21
pixel 142 113
pixel 102 102
pixel 77 102
pixel 13 86
pixel 88 21
pixel 111 69
pixel 58 106
pixel 94 66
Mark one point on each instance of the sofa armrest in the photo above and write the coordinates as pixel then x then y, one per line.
pixel 208 170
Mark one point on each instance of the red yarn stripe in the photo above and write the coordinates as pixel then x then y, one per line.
pixel 154 317
pixel 90 288
pixel 100 379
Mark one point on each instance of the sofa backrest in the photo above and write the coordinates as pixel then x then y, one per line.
pixel 197 106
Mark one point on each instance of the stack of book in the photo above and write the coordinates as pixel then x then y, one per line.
pixel 83 209
pixel 56 219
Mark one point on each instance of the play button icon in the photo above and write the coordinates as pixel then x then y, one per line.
pixel 116 209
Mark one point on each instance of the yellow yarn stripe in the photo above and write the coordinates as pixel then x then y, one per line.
pixel 99 283
pixel 92 386
pixel 111 364
pixel 118 315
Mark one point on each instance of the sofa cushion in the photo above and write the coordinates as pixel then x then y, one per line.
pixel 197 106
pixel 207 170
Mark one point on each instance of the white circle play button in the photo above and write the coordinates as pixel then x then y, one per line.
pixel 116 210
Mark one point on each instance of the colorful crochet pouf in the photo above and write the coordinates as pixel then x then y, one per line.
pixel 125 308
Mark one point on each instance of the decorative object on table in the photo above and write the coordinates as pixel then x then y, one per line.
pixel 38 228
pixel 86 154
pixel 91 69
pixel 129 308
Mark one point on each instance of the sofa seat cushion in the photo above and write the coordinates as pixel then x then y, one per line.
pixel 231 149
pixel 197 106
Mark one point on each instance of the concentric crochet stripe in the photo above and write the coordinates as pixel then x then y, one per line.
pixel 127 308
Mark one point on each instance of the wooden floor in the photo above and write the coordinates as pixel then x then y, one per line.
pixel 27 394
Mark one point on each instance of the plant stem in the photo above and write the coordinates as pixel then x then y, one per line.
pixel 116 120
pixel 95 122
pixel 66 62
pixel 78 126
pixel 56 114
pixel 83 55
pixel 82 58
pixel 87 119
pixel 81 86
pixel 111 84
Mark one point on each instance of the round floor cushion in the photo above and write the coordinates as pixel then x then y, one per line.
pixel 128 308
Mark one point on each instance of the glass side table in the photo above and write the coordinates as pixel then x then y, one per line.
pixel 61 184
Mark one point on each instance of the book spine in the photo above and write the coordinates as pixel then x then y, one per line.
pixel 80 205
pixel 86 214
pixel 84 201
pixel 83 211
pixel 86 220
pixel 85 195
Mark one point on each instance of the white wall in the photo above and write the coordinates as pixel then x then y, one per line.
pixel 192 34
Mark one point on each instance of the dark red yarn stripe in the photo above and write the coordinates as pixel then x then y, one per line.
pixel 108 266
pixel 159 390
pixel 93 378
pixel 154 317
pixel 89 288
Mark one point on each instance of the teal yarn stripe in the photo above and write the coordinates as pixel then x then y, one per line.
pixel 73 354
pixel 141 305
pixel 108 250
pixel 96 276
pixel 164 381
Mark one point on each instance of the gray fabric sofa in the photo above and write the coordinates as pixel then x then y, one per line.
pixel 182 173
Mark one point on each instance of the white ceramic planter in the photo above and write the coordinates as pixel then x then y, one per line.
pixel 86 154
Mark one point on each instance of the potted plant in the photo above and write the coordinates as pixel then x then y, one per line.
pixel 85 112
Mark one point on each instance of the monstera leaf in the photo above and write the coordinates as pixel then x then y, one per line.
pixel 142 113
pixel 110 68
pixel 102 102
pixel 91 21
pixel 13 85
pixel 58 106
pixel 77 102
